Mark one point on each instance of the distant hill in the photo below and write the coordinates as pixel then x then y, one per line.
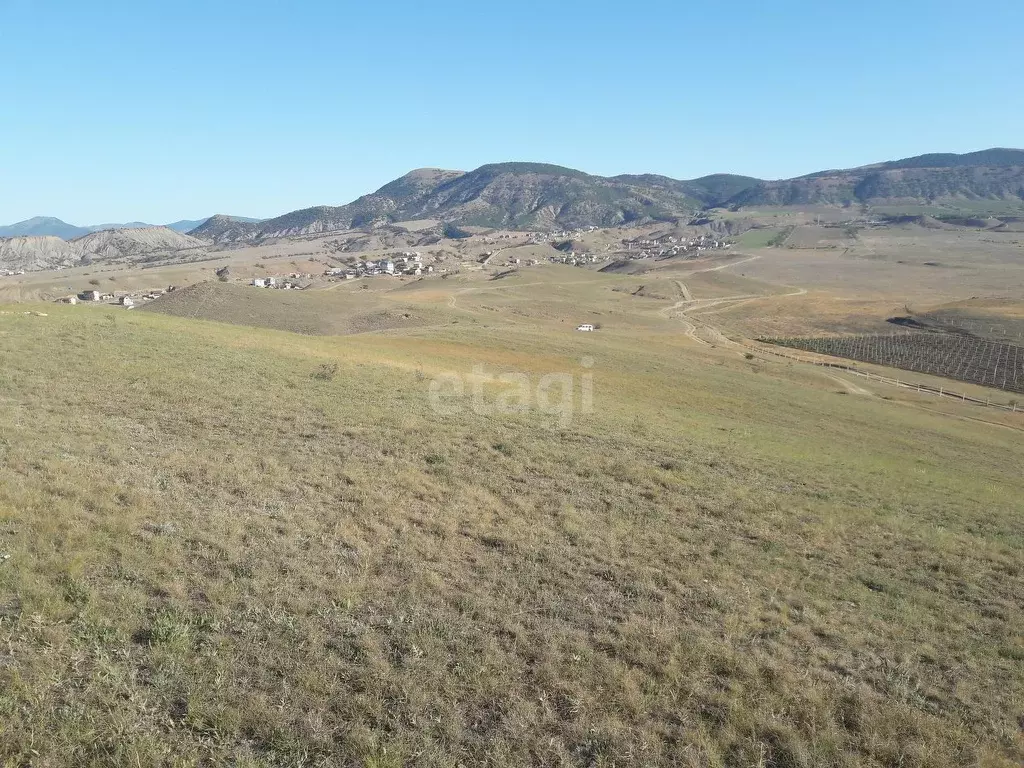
pixel 712 191
pixel 520 195
pixel 508 195
pixel 993 174
pixel 43 226
pixel 38 252
pixel 187 225
pixel 225 229
pixel 137 244
pixel 540 196
pixel 990 157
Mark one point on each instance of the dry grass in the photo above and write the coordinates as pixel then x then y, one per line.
pixel 310 311
pixel 218 556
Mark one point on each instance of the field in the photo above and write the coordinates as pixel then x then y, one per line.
pixel 268 528
pixel 310 312
pixel 758 238
pixel 963 358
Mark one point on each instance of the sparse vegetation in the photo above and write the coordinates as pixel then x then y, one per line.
pixel 214 559
pixel 780 238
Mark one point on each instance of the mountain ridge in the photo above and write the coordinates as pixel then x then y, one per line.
pixel 43 226
pixel 525 195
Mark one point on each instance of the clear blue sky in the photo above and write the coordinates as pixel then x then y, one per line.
pixel 114 110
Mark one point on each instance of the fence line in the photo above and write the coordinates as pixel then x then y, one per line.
pixel 925 388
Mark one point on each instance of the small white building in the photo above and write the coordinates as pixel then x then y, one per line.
pixel 89 295
pixel 127 301
pixel 585 327
pixel 259 282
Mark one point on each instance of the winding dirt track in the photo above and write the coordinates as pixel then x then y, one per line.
pixel 689 306
pixel 691 309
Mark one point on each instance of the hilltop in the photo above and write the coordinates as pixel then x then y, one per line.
pixel 996 174
pixel 43 226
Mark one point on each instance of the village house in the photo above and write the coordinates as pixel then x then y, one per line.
pixel 89 295
pixel 585 327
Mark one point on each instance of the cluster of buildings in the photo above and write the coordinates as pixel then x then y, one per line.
pixel 126 300
pixel 285 283
pixel 578 259
pixel 664 247
pixel 572 234
pixel 409 263
pixel 518 262
pixel 12 272
pixel 638 248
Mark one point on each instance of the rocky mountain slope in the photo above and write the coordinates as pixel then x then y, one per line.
pixel 549 197
pixel 512 195
pixel 136 245
pixel 37 252
pixel 995 174
pixel 42 226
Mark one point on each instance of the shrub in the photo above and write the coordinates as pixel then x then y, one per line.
pixel 325 372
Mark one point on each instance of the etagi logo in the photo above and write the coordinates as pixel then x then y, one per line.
pixel 554 394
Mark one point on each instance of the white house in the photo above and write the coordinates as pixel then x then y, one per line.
pixel 127 301
pixel 259 282
pixel 585 327
pixel 89 295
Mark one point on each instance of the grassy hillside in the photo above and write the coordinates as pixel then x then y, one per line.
pixel 260 548
pixel 309 312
